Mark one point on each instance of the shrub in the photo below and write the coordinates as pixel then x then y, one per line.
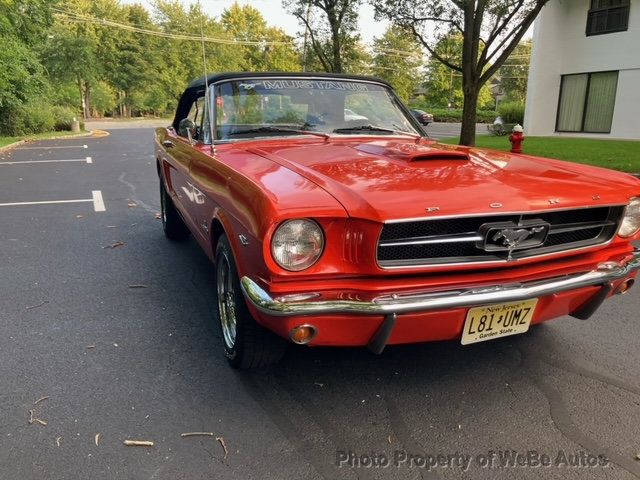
pixel 11 118
pixel 37 118
pixel 63 117
pixel 512 112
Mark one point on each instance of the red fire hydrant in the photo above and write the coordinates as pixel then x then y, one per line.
pixel 516 138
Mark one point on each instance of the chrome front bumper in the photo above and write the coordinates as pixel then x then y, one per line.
pixel 603 275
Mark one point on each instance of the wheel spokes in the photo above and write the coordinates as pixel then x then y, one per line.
pixel 226 301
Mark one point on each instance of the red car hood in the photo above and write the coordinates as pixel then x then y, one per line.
pixel 395 179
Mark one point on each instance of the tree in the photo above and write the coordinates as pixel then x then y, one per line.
pixel 491 30
pixel 246 23
pixel 513 74
pixel 398 58
pixel 182 59
pixel 330 27
pixel 444 85
pixel 23 27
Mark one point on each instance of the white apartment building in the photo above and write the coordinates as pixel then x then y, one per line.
pixel 584 78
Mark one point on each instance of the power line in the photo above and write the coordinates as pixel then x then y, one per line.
pixel 79 18
pixel 88 19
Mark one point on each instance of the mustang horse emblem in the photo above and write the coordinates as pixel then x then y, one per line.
pixel 512 238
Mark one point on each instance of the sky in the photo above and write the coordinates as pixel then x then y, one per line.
pixel 276 16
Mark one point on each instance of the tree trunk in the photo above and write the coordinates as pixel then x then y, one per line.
pixel 335 40
pixel 469 115
pixel 337 60
pixel 82 99
pixel 87 101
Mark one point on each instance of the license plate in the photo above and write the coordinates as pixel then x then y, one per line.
pixel 495 321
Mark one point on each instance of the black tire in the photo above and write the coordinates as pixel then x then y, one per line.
pixel 246 344
pixel 172 223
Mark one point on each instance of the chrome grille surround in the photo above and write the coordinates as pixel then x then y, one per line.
pixel 459 240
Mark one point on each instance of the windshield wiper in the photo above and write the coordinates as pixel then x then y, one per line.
pixel 271 128
pixel 373 128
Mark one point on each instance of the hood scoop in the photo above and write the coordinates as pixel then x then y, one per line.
pixel 410 152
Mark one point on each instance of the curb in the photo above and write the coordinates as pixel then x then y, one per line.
pixel 98 133
pixel 12 145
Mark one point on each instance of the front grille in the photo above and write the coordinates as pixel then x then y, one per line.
pixel 462 240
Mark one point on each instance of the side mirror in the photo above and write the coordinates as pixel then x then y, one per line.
pixel 186 128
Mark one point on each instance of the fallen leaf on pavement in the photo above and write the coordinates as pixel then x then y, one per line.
pixel 115 245
pixel 138 443
pixel 224 446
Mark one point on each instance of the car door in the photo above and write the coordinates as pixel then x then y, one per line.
pixel 181 149
pixel 207 180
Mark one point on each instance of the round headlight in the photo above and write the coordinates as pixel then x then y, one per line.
pixel 297 244
pixel 631 221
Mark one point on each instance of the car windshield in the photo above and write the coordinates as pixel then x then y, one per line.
pixel 276 107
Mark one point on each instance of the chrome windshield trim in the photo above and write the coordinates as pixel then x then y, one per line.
pixel 481 295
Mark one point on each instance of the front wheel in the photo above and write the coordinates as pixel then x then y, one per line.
pixel 246 344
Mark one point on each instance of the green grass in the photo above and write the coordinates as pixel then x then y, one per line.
pixel 40 136
pixel 7 140
pixel 621 155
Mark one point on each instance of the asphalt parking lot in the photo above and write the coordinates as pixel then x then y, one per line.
pixel 106 326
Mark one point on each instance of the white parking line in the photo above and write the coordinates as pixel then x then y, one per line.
pixel 54 146
pixel 71 160
pixel 96 199
pixel 98 202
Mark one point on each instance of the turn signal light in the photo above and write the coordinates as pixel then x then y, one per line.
pixel 303 334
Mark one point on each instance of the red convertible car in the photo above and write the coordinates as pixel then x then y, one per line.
pixel 358 230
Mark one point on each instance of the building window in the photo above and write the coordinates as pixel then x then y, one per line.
pixel 607 16
pixel 586 102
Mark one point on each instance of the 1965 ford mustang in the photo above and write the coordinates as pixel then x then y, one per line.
pixel 347 229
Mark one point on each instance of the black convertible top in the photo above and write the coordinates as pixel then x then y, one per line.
pixel 197 87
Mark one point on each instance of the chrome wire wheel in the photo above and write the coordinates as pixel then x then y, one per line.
pixel 226 300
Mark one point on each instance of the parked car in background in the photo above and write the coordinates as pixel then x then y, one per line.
pixel 337 232
pixel 423 117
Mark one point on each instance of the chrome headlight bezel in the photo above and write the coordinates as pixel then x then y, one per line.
pixel 300 237
pixel 630 224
